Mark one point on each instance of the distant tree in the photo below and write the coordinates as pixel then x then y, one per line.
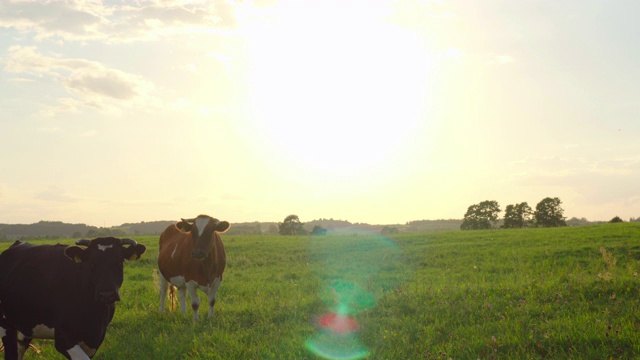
pixel 273 229
pixel 481 216
pixel 318 230
pixel 253 228
pixel 118 233
pixel 92 233
pixel 549 213
pixel 291 226
pixel 104 232
pixel 616 220
pixel 517 216
pixel 574 221
pixel 389 230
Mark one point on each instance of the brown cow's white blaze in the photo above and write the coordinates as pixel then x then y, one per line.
pixel 192 258
pixel 201 224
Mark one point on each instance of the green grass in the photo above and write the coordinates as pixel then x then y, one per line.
pixel 563 293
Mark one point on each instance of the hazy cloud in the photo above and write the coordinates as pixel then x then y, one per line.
pixel 94 20
pixel 594 180
pixel 68 105
pixel 56 194
pixel 68 20
pixel 20 80
pixel 93 84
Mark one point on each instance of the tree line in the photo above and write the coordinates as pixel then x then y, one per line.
pixel 548 213
pixel 293 226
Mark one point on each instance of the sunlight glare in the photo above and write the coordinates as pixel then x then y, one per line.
pixel 333 85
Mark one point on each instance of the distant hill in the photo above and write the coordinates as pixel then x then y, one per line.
pixel 58 229
pixel 145 228
pixel 433 225
pixel 43 229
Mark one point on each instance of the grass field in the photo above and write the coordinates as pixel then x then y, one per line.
pixel 561 293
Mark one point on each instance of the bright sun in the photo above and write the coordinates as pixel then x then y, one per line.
pixel 333 85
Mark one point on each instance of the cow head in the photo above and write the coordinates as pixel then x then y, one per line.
pixel 105 257
pixel 202 230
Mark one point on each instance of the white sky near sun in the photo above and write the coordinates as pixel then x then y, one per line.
pixel 379 111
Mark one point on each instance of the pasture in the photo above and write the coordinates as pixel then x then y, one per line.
pixel 561 293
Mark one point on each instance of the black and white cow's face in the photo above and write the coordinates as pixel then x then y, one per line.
pixel 105 258
pixel 202 232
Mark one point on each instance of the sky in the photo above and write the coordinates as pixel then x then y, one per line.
pixel 371 111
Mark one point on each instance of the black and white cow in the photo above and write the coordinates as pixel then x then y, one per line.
pixel 61 292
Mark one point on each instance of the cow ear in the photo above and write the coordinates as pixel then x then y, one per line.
pixel 134 252
pixel 184 226
pixel 222 226
pixel 75 253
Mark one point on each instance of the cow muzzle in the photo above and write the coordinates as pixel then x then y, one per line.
pixel 197 254
pixel 108 296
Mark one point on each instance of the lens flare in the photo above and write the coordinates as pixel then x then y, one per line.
pixel 340 324
pixel 353 270
pixel 343 347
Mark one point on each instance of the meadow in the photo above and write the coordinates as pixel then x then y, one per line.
pixel 558 293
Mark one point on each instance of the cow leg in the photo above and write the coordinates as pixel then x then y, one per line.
pixel 182 298
pixel 192 286
pixel 23 345
pixel 164 285
pixel 68 345
pixel 213 291
pixel 9 341
pixel 76 353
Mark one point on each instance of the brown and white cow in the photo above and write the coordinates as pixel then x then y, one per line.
pixel 192 257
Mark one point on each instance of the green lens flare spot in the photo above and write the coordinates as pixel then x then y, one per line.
pixel 336 347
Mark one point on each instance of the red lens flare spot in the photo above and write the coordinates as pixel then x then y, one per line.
pixel 340 324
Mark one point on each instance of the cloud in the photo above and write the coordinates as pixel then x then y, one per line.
pixel 598 185
pixel 94 80
pixel 94 20
pixel 21 80
pixel 55 194
pixel 64 105
pixel 69 20
pixel 590 179
pixel 92 84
